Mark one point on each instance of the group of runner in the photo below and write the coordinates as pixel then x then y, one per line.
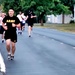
pixel 8 25
pixel 22 19
pixel 29 18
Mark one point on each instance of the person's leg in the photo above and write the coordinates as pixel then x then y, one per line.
pixel 13 45
pixel 2 34
pixel 3 38
pixel 23 26
pixel 13 48
pixel 29 31
pixel 20 29
pixel 31 27
pixel 8 43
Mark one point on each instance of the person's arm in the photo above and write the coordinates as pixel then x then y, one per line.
pixel 16 25
pixel 26 17
pixel 33 16
pixel 4 26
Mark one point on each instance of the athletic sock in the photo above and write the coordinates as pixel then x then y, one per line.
pixel 12 54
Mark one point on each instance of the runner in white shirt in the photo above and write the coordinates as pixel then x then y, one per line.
pixel 1 28
pixel 20 18
pixel 24 18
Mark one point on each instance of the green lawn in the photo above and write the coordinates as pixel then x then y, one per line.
pixel 62 27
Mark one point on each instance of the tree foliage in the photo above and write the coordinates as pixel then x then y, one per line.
pixel 12 4
pixel 41 8
pixel 45 6
pixel 70 4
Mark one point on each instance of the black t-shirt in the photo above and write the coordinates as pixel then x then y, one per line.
pixel 29 17
pixel 9 20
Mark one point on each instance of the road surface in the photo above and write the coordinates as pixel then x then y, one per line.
pixel 47 52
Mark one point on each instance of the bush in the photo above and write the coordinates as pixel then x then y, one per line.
pixel 72 21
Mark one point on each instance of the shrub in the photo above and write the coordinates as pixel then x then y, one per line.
pixel 72 21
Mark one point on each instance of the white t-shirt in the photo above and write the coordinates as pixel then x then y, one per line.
pixel 24 18
pixel 1 21
pixel 19 17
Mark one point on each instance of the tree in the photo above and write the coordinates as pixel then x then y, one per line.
pixel 45 7
pixel 1 1
pixel 14 4
pixel 70 4
pixel 41 9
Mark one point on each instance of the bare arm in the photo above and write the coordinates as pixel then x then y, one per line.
pixel 4 26
pixel 16 25
pixel 33 16
pixel 26 18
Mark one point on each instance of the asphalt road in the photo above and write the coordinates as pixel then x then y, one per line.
pixel 47 52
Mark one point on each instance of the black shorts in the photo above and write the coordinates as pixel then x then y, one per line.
pixel 11 36
pixel 1 30
pixel 23 24
pixel 30 24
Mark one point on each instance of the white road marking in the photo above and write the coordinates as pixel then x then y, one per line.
pixel 44 36
pixel 2 64
pixel 53 39
pixel 73 47
pixel 61 43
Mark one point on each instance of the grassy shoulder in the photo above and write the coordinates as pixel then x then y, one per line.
pixel 61 27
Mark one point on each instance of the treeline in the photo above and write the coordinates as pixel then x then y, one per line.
pixel 40 7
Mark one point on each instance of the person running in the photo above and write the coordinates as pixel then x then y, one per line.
pixel 20 18
pixel 30 21
pixel 12 22
pixel 1 28
pixel 23 21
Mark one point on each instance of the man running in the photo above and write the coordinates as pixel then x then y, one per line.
pixel 11 22
pixel 30 21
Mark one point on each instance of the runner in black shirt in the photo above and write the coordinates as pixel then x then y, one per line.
pixel 30 21
pixel 11 22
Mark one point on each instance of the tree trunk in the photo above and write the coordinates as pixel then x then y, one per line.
pixel 41 22
pixel 63 18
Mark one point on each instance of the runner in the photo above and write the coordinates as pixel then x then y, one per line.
pixel 10 32
pixel 23 21
pixel 20 18
pixel 30 21
pixel 1 28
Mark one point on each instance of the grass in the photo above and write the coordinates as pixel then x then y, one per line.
pixel 61 27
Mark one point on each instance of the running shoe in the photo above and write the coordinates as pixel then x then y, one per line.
pixel 29 35
pixel 9 56
pixel 20 32
pixel 12 57
pixel 2 41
